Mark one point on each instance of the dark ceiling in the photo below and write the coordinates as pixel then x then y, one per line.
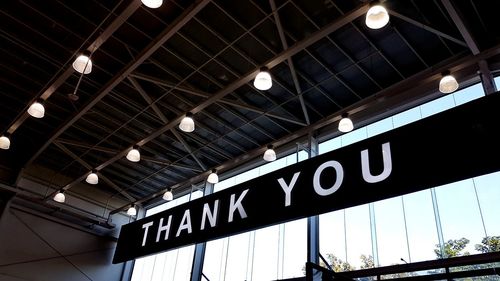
pixel 152 66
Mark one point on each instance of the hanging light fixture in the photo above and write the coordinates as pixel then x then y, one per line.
pixel 448 83
pixel 263 80
pixel 213 177
pixel 134 155
pixel 269 154
pixel 132 211
pixel 83 63
pixel 5 141
pixel 92 178
pixel 153 4
pixel 187 123
pixel 60 197
pixel 377 17
pixel 345 124
pixel 36 109
pixel 168 195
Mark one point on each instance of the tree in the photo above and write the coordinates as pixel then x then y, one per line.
pixel 489 244
pixel 338 265
pixel 367 261
pixel 452 248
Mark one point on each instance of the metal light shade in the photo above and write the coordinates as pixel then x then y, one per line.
pixel 269 155
pixel 60 197
pixel 134 155
pixel 92 178
pixel 152 3
pixel 4 142
pixel 83 64
pixel 132 211
pixel 213 177
pixel 263 80
pixel 187 124
pixel 345 125
pixel 377 17
pixel 168 196
pixel 36 110
pixel 448 84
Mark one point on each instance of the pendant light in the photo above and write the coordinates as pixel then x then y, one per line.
pixel 134 155
pixel 36 109
pixel 448 83
pixel 345 124
pixel 5 141
pixel 92 178
pixel 132 211
pixel 83 63
pixel 60 197
pixel 153 4
pixel 187 123
pixel 168 195
pixel 263 80
pixel 213 177
pixel 377 17
pixel 269 154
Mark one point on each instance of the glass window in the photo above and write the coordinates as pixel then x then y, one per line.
pixel 488 192
pixel 421 226
pixel 460 216
pixel 391 231
pixel 171 265
pixel 358 235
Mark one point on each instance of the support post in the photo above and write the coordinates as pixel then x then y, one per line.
pixel 199 250
pixel 313 222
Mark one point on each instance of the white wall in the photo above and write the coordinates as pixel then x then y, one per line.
pixel 37 249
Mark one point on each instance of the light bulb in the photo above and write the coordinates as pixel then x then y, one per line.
pixel 168 196
pixel 187 123
pixel 448 84
pixel 83 64
pixel 134 155
pixel 269 154
pixel 132 211
pixel 213 177
pixel 36 110
pixel 152 3
pixel 345 124
pixel 60 197
pixel 377 17
pixel 92 178
pixel 4 142
pixel 263 80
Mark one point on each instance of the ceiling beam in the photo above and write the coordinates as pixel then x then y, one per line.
pixel 294 49
pixel 289 60
pixel 430 75
pixel 164 120
pixel 462 28
pixel 486 77
pixel 114 151
pixel 199 93
pixel 156 43
pixel 89 167
pixel 60 78
pixel 428 28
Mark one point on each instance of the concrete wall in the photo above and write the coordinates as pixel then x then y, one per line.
pixel 37 248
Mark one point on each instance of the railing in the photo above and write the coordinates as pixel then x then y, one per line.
pixel 458 267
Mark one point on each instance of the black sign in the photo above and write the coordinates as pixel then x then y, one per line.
pixel 457 144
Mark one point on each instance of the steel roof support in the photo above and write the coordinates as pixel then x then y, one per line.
pixel 164 119
pixel 61 78
pixel 170 31
pixel 422 78
pixel 289 60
